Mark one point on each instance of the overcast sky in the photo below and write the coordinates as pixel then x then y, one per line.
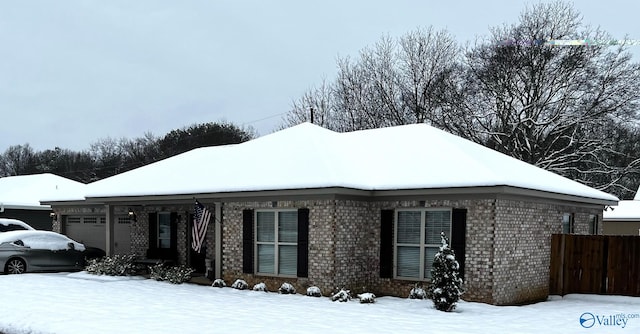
pixel 76 71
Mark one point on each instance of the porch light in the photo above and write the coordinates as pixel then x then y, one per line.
pixel 132 215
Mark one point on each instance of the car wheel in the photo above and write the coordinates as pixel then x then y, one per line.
pixel 15 266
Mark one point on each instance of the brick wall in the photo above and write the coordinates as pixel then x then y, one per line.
pixel 140 229
pixel 523 247
pixel 479 241
pixel 507 246
pixel 322 245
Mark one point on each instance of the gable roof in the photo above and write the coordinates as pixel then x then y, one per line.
pixel 307 156
pixel 25 191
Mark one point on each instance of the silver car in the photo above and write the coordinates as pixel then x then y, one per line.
pixel 31 251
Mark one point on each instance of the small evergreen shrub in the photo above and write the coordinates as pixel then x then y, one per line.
pixel 367 297
pixel 314 291
pixel 417 292
pixel 342 296
pixel 286 289
pixel 172 274
pixel 446 286
pixel 260 287
pixel 117 265
pixel 240 284
pixel 219 283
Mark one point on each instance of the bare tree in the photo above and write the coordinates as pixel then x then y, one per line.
pixel 17 160
pixel 428 64
pixel 394 82
pixel 318 100
pixel 549 105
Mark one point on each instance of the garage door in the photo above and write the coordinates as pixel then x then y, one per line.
pixel 90 230
pixel 122 235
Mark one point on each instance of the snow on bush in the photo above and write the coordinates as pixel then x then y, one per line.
pixel 446 286
pixel 219 283
pixel 260 287
pixel 117 265
pixel 367 297
pixel 286 289
pixel 172 274
pixel 314 291
pixel 417 293
pixel 342 296
pixel 240 284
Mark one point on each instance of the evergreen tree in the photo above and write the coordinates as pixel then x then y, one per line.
pixel 446 285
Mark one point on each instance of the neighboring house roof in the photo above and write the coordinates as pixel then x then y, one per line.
pixel 624 211
pixel 307 156
pixel 25 191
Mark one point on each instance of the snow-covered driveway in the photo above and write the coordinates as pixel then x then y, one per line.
pixel 83 303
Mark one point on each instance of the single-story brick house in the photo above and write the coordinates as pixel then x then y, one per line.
pixel 20 197
pixel 362 210
pixel 624 218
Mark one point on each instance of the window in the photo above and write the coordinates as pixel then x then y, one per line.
pixel 593 224
pixel 418 240
pixel 164 230
pixel 567 223
pixel 277 242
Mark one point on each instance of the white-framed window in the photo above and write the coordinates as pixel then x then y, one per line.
pixel 567 223
pixel 276 242
pixel 417 240
pixel 164 230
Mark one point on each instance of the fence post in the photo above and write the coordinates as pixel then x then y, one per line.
pixel 605 266
pixel 562 267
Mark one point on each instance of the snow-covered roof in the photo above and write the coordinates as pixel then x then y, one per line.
pixel 624 211
pixel 26 191
pixel 307 156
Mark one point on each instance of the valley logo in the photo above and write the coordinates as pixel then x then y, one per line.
pixel 588 319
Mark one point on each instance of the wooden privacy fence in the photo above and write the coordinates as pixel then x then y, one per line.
pixel 597 264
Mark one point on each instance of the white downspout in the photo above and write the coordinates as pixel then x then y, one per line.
pixel 1 207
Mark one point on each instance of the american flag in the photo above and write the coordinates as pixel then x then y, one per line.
pixel 200 223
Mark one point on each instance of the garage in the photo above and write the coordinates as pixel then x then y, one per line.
pixel 90 230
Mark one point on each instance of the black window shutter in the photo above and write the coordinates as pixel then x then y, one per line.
pixel 173 241
pixel 386 244
pixel 153 230
pixel 190 233
pixel 458 236
pixel 247 241
pixel 303 242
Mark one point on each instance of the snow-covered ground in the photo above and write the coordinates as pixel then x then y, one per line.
pixel 83 303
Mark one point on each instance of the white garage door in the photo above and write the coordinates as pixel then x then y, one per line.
pixel 122 235
pixel 90 230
